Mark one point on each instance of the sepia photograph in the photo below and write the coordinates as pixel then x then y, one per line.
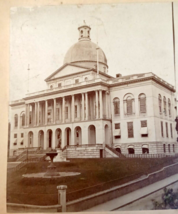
pixel 93 119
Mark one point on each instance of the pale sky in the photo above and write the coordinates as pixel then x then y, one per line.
pixel 136 38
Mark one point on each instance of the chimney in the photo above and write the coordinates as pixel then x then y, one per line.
pixel 118 75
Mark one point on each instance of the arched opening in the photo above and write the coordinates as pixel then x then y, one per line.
pixel 30 139
pixel 67 136
pixel 78 135
pixel 107 134
pixel 22 119
pixel 49 138
pixel 142 102
pixel 41 139
pixel 58 140
pixel 91 134
pixel 15 120
pixel 118 150
pixel 145 149
pixel 116 103
pixel 131 150
pixel 160 103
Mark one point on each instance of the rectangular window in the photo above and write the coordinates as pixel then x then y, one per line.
pixel 162 133
pixel 66 112
pixel 166 130
pixel 75 111
pixel 76 81
pixel 144 123
pixel 21 134
pixel 117 125
pixel 129 106
pixel 130 129
pixel 143 105
pixel 15 135
pixel 59 85
pixel 171 130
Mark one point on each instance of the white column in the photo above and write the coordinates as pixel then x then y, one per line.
pixel 54 114
pixel 63 138
pixel 26 106
pixel 28 114
pixel 101 104
pixel 73 108
pixel 63 109
pixel 106 100
pixel 83 109
pixel 86 101
pixel 45 139
pixel 35 121
pixel 46 112
pixel 96 99
pixel 38 113
pixel 53 140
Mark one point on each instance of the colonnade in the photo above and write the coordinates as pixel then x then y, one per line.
pixel 76 107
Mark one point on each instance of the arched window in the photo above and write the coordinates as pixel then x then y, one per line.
pixel 160 103
pixel 165 110
pixel 16 121
pixel 169 107
pixel 164 148
pixel 142 101
pixel 129 104
pixel 173 148
pixel 22 119
pixel 116 103
pixel 169 148
pixel 51 86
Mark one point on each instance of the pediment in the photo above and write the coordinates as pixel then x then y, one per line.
pixel 65 70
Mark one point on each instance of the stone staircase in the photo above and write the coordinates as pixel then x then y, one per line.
pixel 112 152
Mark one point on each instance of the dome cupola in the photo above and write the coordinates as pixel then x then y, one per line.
pixel 84 52
pixel 84 32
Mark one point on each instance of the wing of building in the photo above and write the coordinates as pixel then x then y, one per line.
pixel 91 113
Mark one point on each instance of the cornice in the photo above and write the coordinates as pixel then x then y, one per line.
pixel 67 90
pixel 142 80
pixel 17 104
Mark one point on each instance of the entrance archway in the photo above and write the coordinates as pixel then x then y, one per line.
pixel 145 149
pixel 118 150
pixel 91 134
pixel 107 134
pixel 131 150
pixel 41 139
pixel 49 138
pixel 67 136
pixel 78 135
pixel 58 141
pixel 30 139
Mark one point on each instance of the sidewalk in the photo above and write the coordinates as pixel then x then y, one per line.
pixel 138 195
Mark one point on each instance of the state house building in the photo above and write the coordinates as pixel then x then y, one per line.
pixel 90 113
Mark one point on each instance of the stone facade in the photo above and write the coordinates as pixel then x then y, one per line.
pixel 84 105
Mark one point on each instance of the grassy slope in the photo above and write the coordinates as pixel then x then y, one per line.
pixel 93 171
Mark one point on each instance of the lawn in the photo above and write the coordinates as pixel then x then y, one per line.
pixel 96 175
